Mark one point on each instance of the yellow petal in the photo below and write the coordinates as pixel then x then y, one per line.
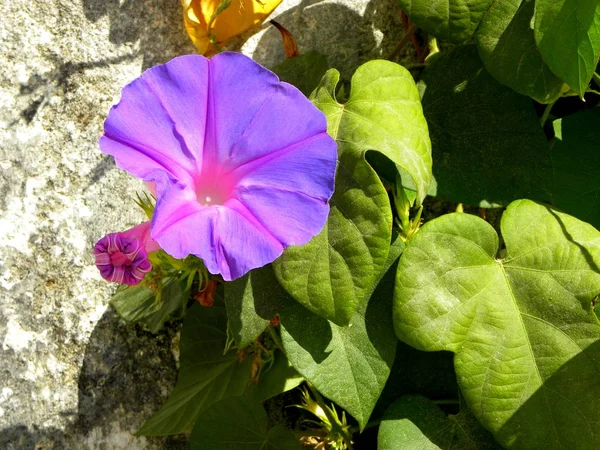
pixel 239 16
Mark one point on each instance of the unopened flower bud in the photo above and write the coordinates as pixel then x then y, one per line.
pixel 123 257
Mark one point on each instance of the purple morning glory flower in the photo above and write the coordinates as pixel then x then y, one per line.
pixel 123 257
pixel 242 162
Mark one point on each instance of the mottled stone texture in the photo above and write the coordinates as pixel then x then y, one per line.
pixel 72 375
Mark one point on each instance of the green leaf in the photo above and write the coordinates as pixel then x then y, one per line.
pixel 383 114
pixel 139 304
pixel 525 338
pixel 280 377
pixel 487 141
pixel 415 422
pixel 252 301
pixel 338 269
pixel 303 71
pixel 206 375
pixel 507 47
pixel 451 20
pixel 239 423
pixel 567 33
pixel 414 372
pixel 349 365
pixel 576 163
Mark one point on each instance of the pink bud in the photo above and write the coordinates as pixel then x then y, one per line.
pixel 123 257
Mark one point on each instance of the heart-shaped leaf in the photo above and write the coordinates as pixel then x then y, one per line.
pixel 206 375
pixel 239 423
pixel 338 269
pixel 451 20
pixel 567 33
pixel 525 338
pixel 576 164
pixel 349 365
pixel 507 47
pixel 415 422
pixel 487 141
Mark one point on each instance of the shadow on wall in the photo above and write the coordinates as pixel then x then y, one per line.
pixel 156 24
pixel 126 375
pixel 347 39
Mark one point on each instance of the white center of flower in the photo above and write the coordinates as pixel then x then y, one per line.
pixel 213 188
pixel 211 196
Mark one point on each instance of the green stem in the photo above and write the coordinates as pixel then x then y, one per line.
pixel 213 41
pixel 276 338
pixel 407 34
pixel 332 420
pixel 546 113
pixel 596 78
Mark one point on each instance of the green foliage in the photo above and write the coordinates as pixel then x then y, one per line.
pixel 507 48
pixel 349 365
pixel 567 33
pixel 239 423
pixel 416 423
pixel 487 142
pixel 303 71
pixel 451 20
pixel 532 46
pixel 141 304
pixel 526 340
pixel 252 301
pixel 278 378
pixel 576 164
pixel 207 374
pixel 430 374
pixel 334 273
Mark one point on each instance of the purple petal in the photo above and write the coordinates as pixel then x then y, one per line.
pixel 160 121
pixel 307 167
pixel 242 162
pixel 295 224
pixel 253 113
pixel 228 242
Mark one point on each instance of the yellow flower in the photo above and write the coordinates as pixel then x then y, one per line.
pixel 232 18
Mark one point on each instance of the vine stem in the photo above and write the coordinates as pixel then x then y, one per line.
pixel 276 338
pixel 333 420
pixel 407 36
pixel 546 113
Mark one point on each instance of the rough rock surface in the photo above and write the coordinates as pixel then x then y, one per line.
pixel 72 374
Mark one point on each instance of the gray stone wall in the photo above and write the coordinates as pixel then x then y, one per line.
pixel 72 374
